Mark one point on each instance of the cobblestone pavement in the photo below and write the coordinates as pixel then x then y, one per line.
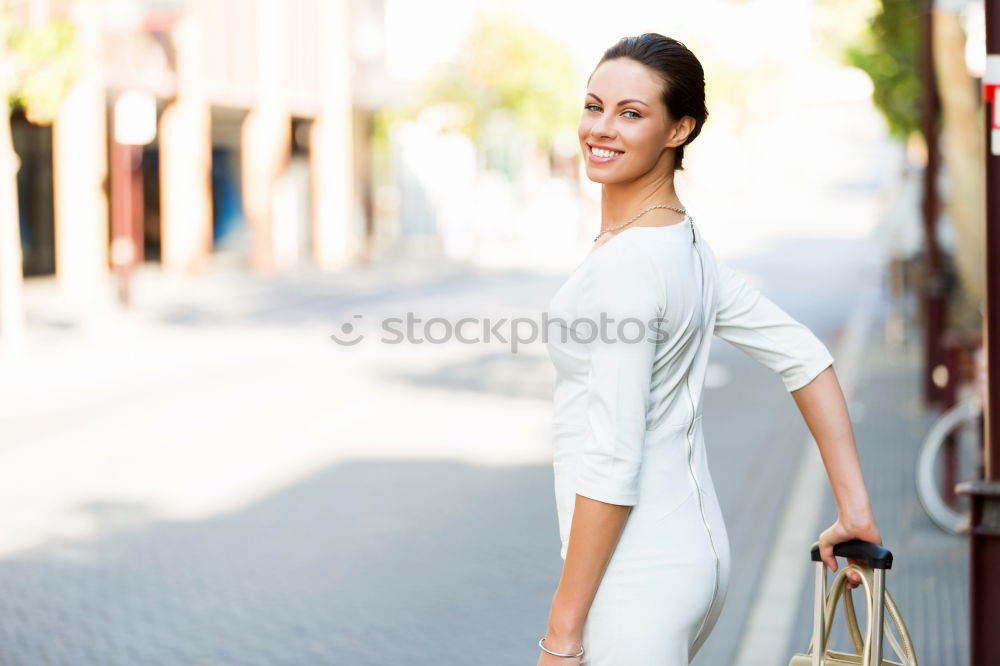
pixel 212 481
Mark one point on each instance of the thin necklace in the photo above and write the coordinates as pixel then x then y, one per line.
pixel 679 210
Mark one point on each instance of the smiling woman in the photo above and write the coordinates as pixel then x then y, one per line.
pixel 674 85
pixel 641 108
pixel 645 545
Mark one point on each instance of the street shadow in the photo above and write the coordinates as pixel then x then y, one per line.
pixel 366 563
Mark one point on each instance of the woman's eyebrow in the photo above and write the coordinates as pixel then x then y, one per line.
pixel 624 101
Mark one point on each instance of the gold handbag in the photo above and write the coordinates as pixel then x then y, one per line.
pixel 877 599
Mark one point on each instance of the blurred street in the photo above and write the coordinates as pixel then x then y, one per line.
pixel 262 495
pixel 210 198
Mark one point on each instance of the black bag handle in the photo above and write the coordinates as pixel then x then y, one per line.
pixel 877 557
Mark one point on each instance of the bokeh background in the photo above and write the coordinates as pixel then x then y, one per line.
pixel 196 195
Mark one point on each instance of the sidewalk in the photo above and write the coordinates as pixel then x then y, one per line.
pixel 226 296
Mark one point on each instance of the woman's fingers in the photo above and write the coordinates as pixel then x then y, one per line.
pixel 853 577
pixel 837 533
pixel 827 557
pixel 826 541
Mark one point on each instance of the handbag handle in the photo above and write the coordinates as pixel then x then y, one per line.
pixel 862 647
pixel 905 652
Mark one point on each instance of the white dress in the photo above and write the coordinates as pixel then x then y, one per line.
pixel 627 428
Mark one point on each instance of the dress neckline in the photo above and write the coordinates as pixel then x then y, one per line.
pixel 686 222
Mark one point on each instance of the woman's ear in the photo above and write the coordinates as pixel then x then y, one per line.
pixel 681 131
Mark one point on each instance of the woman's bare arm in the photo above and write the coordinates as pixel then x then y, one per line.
pixel 824 409
pixel 594 533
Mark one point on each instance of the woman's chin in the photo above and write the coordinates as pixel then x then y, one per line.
pixel 601 176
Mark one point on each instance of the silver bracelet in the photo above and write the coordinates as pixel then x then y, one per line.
pixel 557 654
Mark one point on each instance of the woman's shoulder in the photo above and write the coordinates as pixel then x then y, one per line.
pixel 622 256
pixel 624 272
pixel 644 253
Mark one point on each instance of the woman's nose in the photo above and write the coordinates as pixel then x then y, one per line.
pixel 602 127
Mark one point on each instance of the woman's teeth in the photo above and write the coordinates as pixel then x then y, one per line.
pixel 600 152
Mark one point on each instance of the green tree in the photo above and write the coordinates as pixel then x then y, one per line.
pixel 37 65
pixel 505 64
pixel 888 52
pixel 44 65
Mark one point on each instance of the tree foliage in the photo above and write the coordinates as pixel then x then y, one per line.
pixel 889 53
pixel 505 65
pixel 42 63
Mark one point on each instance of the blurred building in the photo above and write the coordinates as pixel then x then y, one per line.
pixel 251 146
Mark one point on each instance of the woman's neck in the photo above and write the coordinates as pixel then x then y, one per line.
pixel 621 202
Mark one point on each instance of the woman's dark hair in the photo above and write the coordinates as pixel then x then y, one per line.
pixel 682 75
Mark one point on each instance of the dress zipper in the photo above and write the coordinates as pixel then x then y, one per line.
pixel 701 508
pixel 690 444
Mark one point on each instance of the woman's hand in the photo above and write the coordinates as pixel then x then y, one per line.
pixel 862 527
pixel 562 644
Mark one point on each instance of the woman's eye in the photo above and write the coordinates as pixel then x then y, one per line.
pixel 596 107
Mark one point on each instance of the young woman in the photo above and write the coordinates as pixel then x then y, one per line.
pixel 646 551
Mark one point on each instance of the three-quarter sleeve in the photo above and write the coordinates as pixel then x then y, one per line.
pixel 753 323
pixel 621 284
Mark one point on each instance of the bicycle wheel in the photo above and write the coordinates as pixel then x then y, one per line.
pixel 962 423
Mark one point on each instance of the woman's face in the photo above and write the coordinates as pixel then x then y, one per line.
pixel 624 129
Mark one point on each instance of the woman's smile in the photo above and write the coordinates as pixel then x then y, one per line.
pixel 601 155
